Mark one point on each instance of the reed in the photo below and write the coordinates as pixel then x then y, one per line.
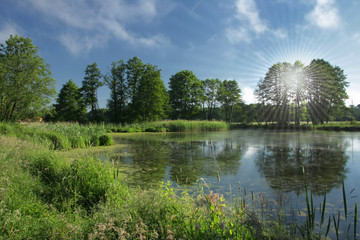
pixel 59 136
pixel 355 220
pixel 171 126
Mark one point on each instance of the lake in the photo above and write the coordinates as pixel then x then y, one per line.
pixel 247 164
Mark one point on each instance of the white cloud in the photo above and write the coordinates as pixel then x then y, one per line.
pixel 324 15
pixel 247 10
pixel 280 33
pixel 237 35
pixel 85 25
pixel 7 30
pixel 356 37
pixel 248 23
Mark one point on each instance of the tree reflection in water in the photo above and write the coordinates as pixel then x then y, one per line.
pixel 194 159
pixel 289 167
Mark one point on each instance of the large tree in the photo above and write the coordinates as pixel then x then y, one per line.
pixel 211 89
pixel 134 72
pixel 69 106
pixel 326 87
pixel 90 84
pixel 274 90
pixel 185 94
pixel 117 83
pixel 151 101
pixel 229 97
pixel 320 87
pixel 26 85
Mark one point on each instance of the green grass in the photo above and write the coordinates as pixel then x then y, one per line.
pixel 59 136
pixel 171 126
pixel 330 126
pixel 44 196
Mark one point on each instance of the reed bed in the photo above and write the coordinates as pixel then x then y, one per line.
pixel 171 126
pixel 59 136
pixel 330 126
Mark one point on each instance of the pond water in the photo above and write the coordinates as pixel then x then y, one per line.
pixel 243 163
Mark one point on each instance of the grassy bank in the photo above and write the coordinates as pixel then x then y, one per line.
pixel 171 126
pixel 331 126
pixel 43 196
pixel 58 136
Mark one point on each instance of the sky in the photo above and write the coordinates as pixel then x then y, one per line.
pixel 228 39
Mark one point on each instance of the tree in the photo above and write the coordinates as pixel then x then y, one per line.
pixel 274 90
pixel 116 81
pixel 320 87
pixel 26 85
pixel 211 88
pixel 185 94
pixel 152 101
pixel 90 84
pixel 134 71
pixel 69 106
pixel 229 97
pixel 326 91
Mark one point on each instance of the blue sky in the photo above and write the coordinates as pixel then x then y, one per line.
pixel 227 39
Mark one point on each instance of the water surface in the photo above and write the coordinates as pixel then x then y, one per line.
pixel 275 164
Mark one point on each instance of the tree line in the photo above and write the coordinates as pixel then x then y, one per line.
pixel 138 94
pixel 288 92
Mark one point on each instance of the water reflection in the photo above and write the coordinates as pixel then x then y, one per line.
pixel 182 158
pixel 191 160
pixel 279 157
pixel 290 169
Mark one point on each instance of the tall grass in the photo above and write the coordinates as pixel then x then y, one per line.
pixel 330 126
pixel 46 197
pixel 59 136
pixel 171 126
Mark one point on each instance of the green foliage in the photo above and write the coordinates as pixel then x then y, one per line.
pixel 116 81
pixel 185 95
pixel 137 92
pixel 44 196
pixel 57 136
pixel 69 106
pixel 211 89
pixel 229 97
pixel 151 102
pixel 172 126
pixel 57 140
pixel 315 92
pixel 26 85
pixel 327 91
pixel 83 182
pixel 105 140
pixel 92 81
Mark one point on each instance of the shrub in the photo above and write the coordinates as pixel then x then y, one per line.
pixel 89 180
pixel 58 140
pixel 105 140
pixel 94 142
pixel 77 142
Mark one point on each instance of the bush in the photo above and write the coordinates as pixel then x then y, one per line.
pixel 58 140
pixel 89 181
pixel 83 183
pixel 94 142
pixel 105 140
